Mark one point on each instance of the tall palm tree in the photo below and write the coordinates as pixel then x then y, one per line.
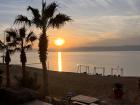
pixel 44 20
pixel 21 40
pixel 4 46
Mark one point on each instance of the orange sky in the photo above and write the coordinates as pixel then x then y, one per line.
pixel 71 38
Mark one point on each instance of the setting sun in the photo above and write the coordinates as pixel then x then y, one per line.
pixel 59 42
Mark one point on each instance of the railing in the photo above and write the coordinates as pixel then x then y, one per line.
pixel 80 66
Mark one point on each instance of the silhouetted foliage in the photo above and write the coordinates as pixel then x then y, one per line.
pixel 21 41
pixel 9 96
pixel 22 19
pixel 44 20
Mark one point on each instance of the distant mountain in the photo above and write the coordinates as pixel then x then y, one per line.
pixel 105 48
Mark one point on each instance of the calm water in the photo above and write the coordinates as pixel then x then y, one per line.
pixel 67 61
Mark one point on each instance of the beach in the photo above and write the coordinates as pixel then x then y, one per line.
pixel 60 83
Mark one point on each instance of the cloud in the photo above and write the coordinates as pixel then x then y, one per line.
pixel 95 21
pixel 123 25
pixel 133 40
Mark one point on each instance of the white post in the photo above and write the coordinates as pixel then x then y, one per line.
pixel 121 71
pixel 80 68
pixel 77 68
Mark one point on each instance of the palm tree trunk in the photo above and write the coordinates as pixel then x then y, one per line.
pixel 43 48
pixel 45 80
pixel 23 71
pixel 7 76
pixel 23 60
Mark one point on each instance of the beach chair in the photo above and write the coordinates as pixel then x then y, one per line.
pixel 84 100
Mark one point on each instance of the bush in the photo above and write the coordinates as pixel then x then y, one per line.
pixel 10 96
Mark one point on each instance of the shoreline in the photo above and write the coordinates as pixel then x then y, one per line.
pixel 36 68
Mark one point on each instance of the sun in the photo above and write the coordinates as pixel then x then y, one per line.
pixel 59 42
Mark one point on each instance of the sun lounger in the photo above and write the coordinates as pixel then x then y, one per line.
pixel 86 100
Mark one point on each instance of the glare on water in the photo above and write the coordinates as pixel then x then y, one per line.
pixel 59 61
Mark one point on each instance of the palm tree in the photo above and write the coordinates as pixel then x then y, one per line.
pixel 21 41
pixel 44 21
pixel 4 46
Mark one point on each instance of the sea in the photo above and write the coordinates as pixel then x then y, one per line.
pixel 128 61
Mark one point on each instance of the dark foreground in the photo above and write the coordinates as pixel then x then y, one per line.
pixel 60 83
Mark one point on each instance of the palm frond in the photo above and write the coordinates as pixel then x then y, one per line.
pixel 59 20
pixel 12 44
pixel 11 33
pixel 31 37
pixel 17 49
pixel 49 10
pixel 28 36
pixel 36 16
pixel 27 47
pixel 37 22
pixel 11 51
pixel 22 19
pixel 43 6
pixel 34 11
pixel 1 42
pixel 2 45
pixel 18 39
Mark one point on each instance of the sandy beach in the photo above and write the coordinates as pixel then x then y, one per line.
pixel 60 83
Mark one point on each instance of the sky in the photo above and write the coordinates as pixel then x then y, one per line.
pixel 95 22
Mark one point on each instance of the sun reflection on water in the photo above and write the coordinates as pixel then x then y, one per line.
pixel 59 61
